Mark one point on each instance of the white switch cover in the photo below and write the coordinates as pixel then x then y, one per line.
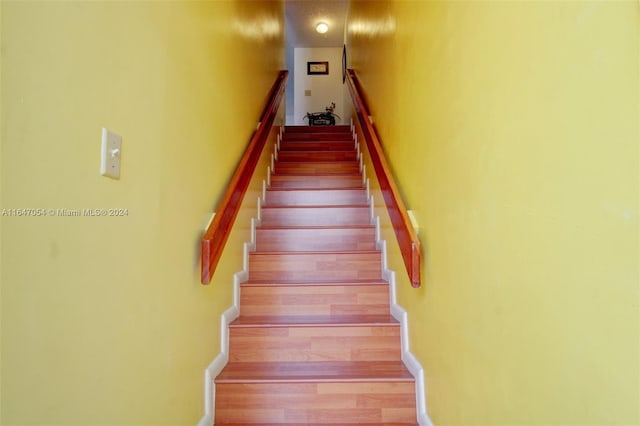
pixel 111 149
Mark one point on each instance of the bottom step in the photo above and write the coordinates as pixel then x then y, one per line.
pixel 324 407
pixel 316 403
pixel 307 393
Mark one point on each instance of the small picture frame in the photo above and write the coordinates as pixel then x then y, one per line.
pixel 317 68
pixel 344 63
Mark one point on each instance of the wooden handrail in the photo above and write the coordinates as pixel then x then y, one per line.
pixel 406 235
pixel 217 234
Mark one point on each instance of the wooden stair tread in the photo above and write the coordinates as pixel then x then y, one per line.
pixel 328 206
pixel 312 207
pixel 314 132
pixel 313 252
pixel 314 177
pixel 302 184
pixel 305 128
pixel 310 168
pixel 279 173
pixel 314 320
pixel 319 173
pixel 309 186
pixel 319 129
pixel 339 195
pixel 318 136
pixel 323 146
pixel 331 139
pixel 316 215
pixel 353 254
pixel 324 151
pixel 315 266
pixel 280 215
pixel 317 181
pixel 315 239
pixel 302 203
pixel 306 163
pixel 298 143
pixel 317 372
pixel 283 227
pixel 324 137
pixel 267 283
pixel 327 137
pixel 316 197
pixel 337 157
pixel 354 187
pixel 320 424
pixel 316 206
pixel 317 190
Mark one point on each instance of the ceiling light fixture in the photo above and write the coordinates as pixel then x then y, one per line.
pixel 322 28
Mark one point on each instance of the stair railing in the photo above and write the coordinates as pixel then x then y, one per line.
pixel 217 233
pixel 405 233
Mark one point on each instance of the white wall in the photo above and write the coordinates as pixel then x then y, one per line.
pixel 290 60
pixel 324 88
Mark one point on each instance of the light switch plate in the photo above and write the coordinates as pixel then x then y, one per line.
pixel 307 92
pixel 111 150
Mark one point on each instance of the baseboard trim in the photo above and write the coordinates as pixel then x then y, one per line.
pixel 227 318
pixel 400 314
pixel 217 365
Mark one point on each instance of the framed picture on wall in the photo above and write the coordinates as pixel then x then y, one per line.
pixel 344 63
pixel 317 68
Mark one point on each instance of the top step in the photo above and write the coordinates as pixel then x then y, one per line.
pixel 317 136
pixel 318 129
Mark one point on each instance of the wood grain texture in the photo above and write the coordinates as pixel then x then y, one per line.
pixel 315 342
pixel 316 197
pixel 361 342
pixel 317 168
pixel 341 128
pixel 364 393
pixel 317 136
pixel 315 267
pixel 316 216
pixel 316 239
pixel 327 299
pixel 311 408
pixel 319 424
pixel 319 181
pixel 313 320
pixel 333 155
pixel 315 372
pixel 317 146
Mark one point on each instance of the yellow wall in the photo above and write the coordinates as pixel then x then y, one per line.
pixel 1 138
pixel 103 319
pixel 512 128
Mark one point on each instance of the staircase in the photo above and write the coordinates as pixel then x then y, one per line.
pixel 315 342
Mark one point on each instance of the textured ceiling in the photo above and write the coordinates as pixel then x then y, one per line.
pixel 303 15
